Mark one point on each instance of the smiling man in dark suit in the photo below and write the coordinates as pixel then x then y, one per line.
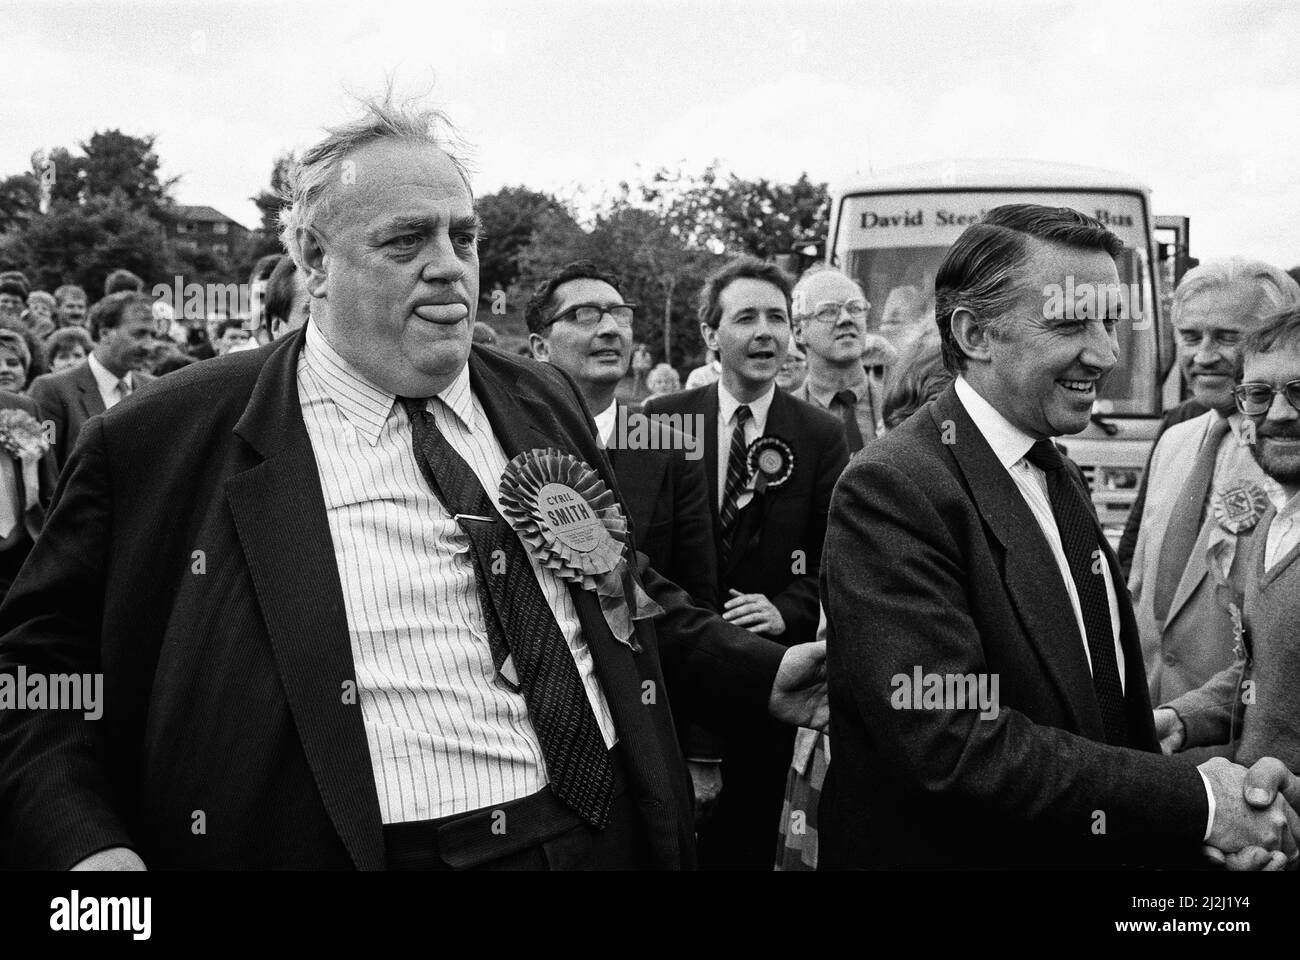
pixel 768 528
pixel 987 682
pixel 111 373
pixel 332 649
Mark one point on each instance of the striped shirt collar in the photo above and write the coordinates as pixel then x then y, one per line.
pixel 366 405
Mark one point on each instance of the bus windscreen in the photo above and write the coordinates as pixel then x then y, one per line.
pixel 892 244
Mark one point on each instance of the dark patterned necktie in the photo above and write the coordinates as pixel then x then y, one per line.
pixel 848 401
pixel 737 476
pixel 1078 532
pixel 520 623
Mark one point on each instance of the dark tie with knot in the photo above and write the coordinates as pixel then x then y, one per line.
pixel 1075 523
pixel 520 624
pixel 848 404
pixel 737 476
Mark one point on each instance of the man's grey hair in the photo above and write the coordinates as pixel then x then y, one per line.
pixel 799 308
pixel 1277 290
pixel 317 174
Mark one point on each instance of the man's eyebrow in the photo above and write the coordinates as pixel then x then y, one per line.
pixel 422 223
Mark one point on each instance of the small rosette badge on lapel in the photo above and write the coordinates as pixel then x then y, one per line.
pixel 1238 508
pixel 569 520
pixel 23 438
pixel 770 461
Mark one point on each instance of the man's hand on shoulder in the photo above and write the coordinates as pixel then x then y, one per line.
pixel 112 859
pixel 799 694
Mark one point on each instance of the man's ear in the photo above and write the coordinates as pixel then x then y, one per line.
pixel 972 336
pixel 540 347
pixel 710 337
pixel 313 260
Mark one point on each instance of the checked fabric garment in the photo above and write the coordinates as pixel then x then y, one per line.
pixel 520 624
pixel 1079 538
pixel 737 476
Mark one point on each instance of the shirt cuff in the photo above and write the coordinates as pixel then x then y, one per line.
pixel 1209 795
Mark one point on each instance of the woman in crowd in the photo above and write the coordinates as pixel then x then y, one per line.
pixel 15 361
pixel 68 347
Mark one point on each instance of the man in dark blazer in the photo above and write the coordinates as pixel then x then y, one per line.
pixel 986 678
pixel 578 321
pixel 71 397
pixel 769 541
pixel 234 629
pixel 23 511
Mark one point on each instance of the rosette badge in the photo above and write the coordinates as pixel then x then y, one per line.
pixel 572 524
pixel 1238 508
pixel 770 462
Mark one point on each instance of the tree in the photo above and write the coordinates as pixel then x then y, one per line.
pixel 511 217
pixel 83 243
pixel 117 162
pixel 20 198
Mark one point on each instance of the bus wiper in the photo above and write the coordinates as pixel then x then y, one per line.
pixel 1107 427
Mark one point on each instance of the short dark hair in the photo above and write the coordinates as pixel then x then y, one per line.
pixel 230 323
pixel 265 266
pixel 278 302
pixel 741 268
pixel 1277 330
pixel 108 313
pixel 979 270
pixel 120 281
pixel 15 282
pixel 537 310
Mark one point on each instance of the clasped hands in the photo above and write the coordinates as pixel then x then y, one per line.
pixel 1255 823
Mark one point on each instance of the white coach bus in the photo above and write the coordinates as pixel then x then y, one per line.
pixel 890 232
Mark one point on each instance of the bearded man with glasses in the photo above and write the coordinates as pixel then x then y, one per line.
pixel 1267 659
pixel 1189 563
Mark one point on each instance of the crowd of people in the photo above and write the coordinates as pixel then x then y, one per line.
pixel 420 603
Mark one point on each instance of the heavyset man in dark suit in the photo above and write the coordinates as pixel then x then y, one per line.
pixel 126 327
pixel 579 321
pixel 768 541
pixel 281 560
pixel 961 553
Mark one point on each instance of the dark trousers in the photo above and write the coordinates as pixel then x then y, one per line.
pixel 533 833
pixel 745 831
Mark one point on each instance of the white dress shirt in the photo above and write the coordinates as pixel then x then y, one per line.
pixel 444 738
pixel 605 422
pixel 1283 532
pixel 754 428
pixel 1010 444
pixel 108 383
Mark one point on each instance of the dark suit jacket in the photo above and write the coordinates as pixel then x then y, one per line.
pixel 22 538
pixel 70 398
pixel 667 497
pixel 933 560
pixel 188 557
pixel 783 520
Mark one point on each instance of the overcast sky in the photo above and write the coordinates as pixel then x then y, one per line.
pixel 1199 99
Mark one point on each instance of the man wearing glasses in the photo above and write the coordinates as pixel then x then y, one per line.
pixel 1268 658
pixel 831 317
pixel 578 321
pixel 1189 566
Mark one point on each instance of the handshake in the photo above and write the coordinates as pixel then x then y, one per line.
pixel 1255 823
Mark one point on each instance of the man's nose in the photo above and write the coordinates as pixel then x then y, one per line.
pixel 443 264
pixel 1102 349
pixel 1207 351
pixel 1280 410
pixel 607 326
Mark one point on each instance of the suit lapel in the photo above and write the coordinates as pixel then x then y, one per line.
pixel 710 412
pixel 781 423
pixel 280 519
pixel 91 402
pixel 1029 567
